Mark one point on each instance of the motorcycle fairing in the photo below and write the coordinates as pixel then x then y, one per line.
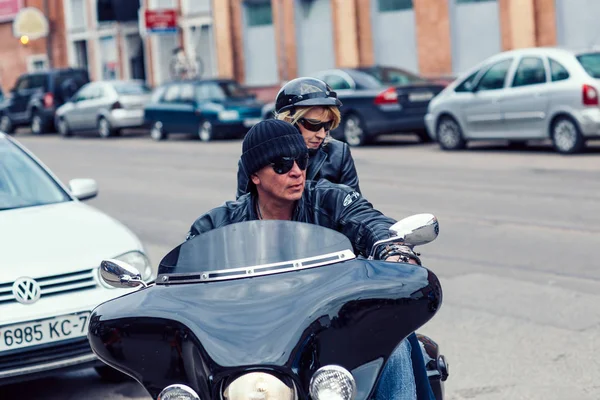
pixel 351 314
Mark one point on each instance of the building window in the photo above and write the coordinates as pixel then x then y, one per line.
pixel 77 17
pixel 395 5
pixel 472 1
pixel 108 57
pixel 196 6
pixel 81 54
pixel 258 13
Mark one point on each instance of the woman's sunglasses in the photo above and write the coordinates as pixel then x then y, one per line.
pixel 283 165
pixel 315 125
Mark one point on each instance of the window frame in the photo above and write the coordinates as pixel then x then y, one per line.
pixel 518 65
pixel 488 68
pixel 552 80
pixel 395 6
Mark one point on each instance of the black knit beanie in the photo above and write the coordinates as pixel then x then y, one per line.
pixel 268 140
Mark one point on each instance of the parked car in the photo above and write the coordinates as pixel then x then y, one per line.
pixel 52 245
pixel 377 101
pixel 36 96
pixel 519 95
pixel 209 109
pixel 105 106
pixel 399 76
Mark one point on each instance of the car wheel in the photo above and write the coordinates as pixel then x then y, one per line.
pixel 157 132
pixel 63 128
pixel 566 137
pixel 449 135
pixel 354 131
pixel 109 374
pixel 104 128
pixel 6 124
pixel 423 136
pixel 37 124
pixel 205 132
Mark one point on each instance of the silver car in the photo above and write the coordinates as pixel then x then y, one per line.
pixel 104 106
pixel 521 95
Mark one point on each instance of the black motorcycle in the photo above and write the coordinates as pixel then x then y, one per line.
pixel 269 310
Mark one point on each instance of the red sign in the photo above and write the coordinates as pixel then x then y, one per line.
pixel 9 9
pixel 161 20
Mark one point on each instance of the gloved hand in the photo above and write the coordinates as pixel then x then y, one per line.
pixel 400 253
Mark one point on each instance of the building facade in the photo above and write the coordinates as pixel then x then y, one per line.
pixel 262 43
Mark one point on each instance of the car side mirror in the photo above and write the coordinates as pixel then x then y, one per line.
pixel 120 275
pixel 83 189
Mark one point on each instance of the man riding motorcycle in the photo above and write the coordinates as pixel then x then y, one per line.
pixel 275 156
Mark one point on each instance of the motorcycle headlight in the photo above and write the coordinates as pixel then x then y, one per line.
pixel 258 385
pixel 178 392
pixel 332 382
pixel 138 260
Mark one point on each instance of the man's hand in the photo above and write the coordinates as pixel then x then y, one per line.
pixel 397 259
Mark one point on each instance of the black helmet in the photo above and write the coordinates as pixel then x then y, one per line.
pixel 305 92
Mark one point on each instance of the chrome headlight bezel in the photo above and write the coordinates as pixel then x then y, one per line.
pixel 343 389
pixel 179 391
pixel 257 384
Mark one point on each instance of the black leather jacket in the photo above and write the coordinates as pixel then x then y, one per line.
pixel 332 161
pixel 323 203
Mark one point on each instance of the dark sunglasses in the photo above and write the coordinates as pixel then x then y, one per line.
pixel 283 165
pixel 315 125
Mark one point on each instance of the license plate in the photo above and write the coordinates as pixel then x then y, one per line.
pixel 424 96
pixel 251 122
pixel 44 331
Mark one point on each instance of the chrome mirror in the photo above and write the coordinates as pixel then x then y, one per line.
pixel 416 230
pixel 121 275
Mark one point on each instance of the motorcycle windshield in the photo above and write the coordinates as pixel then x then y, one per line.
pixel 253 248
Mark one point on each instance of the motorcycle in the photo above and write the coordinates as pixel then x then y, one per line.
pixel 269 310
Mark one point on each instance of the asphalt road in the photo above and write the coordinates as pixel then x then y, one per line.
pixel 517 252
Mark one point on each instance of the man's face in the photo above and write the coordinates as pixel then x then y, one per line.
pixel 287 186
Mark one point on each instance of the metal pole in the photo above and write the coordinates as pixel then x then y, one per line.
pixel 49 37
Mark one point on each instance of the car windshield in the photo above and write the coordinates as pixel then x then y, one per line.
pixel 393 76
pixel 266 246
pixel 131 88
pixel 591 63
pixel 23 183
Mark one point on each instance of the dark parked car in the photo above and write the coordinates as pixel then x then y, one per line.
pixel 377 101
pixel 36 96
pixel 210 109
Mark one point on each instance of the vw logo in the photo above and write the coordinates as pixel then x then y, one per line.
pixel 26 290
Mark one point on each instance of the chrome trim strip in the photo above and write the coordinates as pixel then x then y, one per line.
pixel 257 270
pixel 48 366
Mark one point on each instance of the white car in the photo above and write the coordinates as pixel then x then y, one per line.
pixel 520 95
pixel 51 246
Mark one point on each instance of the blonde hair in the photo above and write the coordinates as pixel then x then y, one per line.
pixel 333 113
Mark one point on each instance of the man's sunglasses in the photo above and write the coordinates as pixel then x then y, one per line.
pixel 315 125
pixel 283 165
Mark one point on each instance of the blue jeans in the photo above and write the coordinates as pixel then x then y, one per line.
pixel 404 376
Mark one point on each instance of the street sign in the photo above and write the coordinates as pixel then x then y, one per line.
pixel 161 21
pixel 9 9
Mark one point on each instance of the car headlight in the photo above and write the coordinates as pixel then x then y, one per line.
pixel 136 259
pixel 332 382
pixel 229 115
pixel 178 392
pixel 258 385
